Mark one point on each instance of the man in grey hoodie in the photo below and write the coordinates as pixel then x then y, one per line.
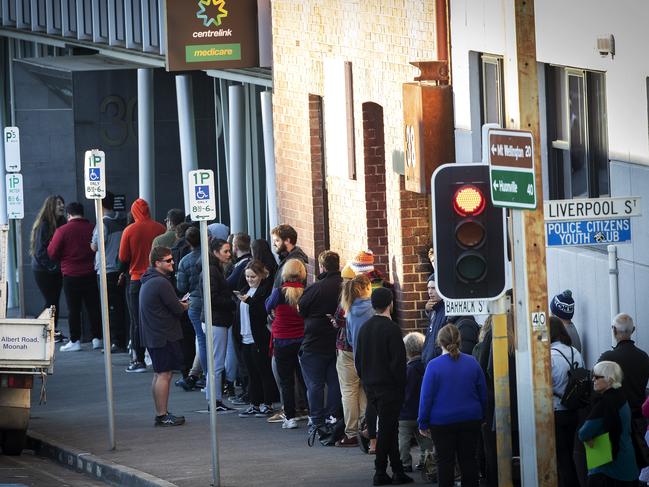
pixel 160 313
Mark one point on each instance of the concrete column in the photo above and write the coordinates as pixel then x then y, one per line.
pixel 237 159
pixel 269 156
pixel 187 130
pixel 145 143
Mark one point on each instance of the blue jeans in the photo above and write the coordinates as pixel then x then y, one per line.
pixel 319 369
pixel 195 318
pixel 231 361
pixel 220 342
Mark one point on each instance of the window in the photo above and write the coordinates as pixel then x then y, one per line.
pixel 577 134
pixel 492 91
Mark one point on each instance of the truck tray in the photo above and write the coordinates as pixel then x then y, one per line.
pixel 27 345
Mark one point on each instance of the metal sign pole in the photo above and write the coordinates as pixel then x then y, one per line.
pixel 19 264
pixel 99 211
pixel 207 305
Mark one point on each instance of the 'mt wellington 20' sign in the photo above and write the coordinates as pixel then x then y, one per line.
pixel 211 34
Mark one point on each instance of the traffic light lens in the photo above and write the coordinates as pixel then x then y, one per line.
pixel 470 234
pixel 471 267
pixel 468 201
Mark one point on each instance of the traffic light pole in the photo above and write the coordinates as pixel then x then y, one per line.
pixel 536 415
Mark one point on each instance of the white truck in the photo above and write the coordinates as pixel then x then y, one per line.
pixel 26 350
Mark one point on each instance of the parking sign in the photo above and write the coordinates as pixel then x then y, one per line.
pixel 11 137
pixel 95 174
pixel 14 192
pixel 202 204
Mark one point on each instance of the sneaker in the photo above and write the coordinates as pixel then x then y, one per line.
pixel 97 343
pixel 229 390
pixel 265 411
pixel 250 412
pixel 59 336
pixel 187 383
pixel 278 417
pixel 381 478
pixel 222 408
pixel 71 347
pixel 289 424
pixel 114 348
pixel 169 420
pixel 347 441
pixel 400 478
pixel 200 383
pixel 136 367
pixel 241 400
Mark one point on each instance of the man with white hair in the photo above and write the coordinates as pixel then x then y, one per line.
pixel 633 362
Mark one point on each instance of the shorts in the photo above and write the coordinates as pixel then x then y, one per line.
pixel 167 358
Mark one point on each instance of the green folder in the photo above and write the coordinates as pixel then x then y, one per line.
pixel 600 453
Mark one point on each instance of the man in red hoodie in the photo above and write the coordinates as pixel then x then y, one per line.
pixel 69 246
pixel 134 252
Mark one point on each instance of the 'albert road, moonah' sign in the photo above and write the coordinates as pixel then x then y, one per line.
pixel 591 209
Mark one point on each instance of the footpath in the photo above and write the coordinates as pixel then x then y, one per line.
pixel 72 428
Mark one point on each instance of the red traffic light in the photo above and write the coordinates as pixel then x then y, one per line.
pixel 469 201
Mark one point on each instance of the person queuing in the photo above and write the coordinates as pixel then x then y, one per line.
pixel 356 304
pixel 563 357
pixel 134 250
pixel 223 306
pixel 114 225
pixel 160 312
pixel 285 243
pixel 251 331
pixel 318 351
pixel 47 273
pixel 70 247
pixel 380 359
pixel 175 217
pixel 287 333
pixel 452 407
pixel 611 414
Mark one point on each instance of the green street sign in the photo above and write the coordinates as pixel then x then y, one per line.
pixel 511 169
pixel 512 189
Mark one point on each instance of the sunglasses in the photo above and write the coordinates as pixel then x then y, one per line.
pixel 169 260
pixel 596 377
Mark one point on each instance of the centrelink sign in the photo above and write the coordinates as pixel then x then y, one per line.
pixel 211 34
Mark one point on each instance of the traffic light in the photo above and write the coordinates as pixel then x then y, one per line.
pixel 468 234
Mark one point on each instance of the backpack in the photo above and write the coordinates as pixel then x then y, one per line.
pixel 328 434
pixel 469 332
pixel 579 388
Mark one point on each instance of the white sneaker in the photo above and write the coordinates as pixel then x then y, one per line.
pixel 289 424
pixel 97 343
pixel 71 347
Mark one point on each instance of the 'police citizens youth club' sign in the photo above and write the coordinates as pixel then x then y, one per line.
pixel 211 34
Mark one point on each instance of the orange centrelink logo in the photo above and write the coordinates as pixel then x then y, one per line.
pixel 209 18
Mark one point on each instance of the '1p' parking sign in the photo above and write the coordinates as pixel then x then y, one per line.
pixel 202 206
pixel 94 174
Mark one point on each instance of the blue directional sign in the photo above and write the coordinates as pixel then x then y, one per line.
pixel 588 232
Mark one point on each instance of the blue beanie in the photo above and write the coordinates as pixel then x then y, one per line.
pixel 562 305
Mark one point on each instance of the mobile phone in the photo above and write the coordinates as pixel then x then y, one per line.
pixel 185 297
pixel 236 293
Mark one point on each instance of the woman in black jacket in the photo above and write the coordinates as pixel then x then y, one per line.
pixel 252 334
pixel 222 306
pixel 47 273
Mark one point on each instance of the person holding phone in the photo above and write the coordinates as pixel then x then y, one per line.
pixel 253 337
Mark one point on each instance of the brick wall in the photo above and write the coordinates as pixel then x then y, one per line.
pixel 379 38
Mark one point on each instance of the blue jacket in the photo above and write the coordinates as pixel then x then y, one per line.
pixel 452 391
pixel 436 320
pixel 188 278
pixel 414 376
pixel 359 313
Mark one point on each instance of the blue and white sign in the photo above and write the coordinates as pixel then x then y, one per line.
pixel 202 205
pixel 588 232
pixel 94 170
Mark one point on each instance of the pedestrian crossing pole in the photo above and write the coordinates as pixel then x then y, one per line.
pixel 202 208
pixel 536 415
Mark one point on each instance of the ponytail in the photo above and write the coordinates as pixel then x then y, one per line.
pixel 449 339
pixel 352 290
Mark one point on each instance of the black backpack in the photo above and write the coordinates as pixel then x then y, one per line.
pixel 580 386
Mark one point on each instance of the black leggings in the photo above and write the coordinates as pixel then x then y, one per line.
pixel 50 285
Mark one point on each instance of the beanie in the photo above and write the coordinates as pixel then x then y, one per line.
pixel 347 272
pixel 363 262
pixel 218 230
pixel 381 298
pixel 562 305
